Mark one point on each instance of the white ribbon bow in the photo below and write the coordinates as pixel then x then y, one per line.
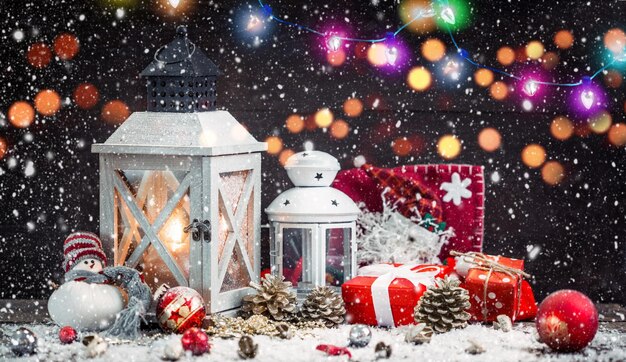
pixel 386 273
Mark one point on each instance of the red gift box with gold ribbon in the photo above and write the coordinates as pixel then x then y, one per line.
pixel 386 294
pixel 496 286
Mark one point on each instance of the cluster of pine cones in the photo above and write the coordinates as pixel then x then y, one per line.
pixel 275 299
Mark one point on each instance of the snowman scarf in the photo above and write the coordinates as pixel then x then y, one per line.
pixel 128 321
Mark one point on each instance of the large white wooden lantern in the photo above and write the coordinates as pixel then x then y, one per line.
pixel 180 184
pixel 313 225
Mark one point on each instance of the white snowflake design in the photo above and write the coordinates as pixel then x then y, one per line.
pixel 456 189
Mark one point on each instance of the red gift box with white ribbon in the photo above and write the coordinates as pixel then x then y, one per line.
pixel 386 294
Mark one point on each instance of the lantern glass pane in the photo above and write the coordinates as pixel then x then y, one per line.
pixel 338 255
pixel 235 214
pixel 297 257
pixel 152 192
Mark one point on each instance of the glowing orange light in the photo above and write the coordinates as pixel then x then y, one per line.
pixel 47 102
pixel 550 60
pixel 506 56
pixel 274 145
pixel 564 39
pixel 613 78
pixel 449 147
pixel 336 58
pixel 407 10
pixel 339 129
pixel 534 50
pixel 86 95
pixel 39 55
pixel 66 46
pixel 115 112
pixel 552 173
pixel 489 139
pixel 499 90
pixel 294 123
pixel 533 155
pixel 561 128
pixel 483 77
pixel 376 54
pixel 353 107
pixel 419 79
pixel 324 117
pixel 21 114
pixel 433 50
pixel 401 146
pixel 3 147
pixel 601 122
pixel 615 40
pixel 284 156
pixel 617 134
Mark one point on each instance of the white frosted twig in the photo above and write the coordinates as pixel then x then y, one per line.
pixel 390 237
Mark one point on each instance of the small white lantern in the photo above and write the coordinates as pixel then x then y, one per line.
pixel 313 225
pixel 180 184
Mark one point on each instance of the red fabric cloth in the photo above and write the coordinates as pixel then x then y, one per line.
pixel 403 297
pixel 331 350
pixel 466 219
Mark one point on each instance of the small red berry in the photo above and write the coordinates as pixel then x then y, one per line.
pixel 195 340
pixel 67 335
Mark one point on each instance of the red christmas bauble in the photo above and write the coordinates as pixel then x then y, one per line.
pixel 179 309
pixel 67 335
pixel 567 321
pixel 195 340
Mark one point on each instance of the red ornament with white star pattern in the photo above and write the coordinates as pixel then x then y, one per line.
pixel 179 309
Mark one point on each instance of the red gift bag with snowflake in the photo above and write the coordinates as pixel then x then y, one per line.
pixel 452 194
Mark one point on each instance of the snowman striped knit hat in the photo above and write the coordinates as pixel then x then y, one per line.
pixel 82 245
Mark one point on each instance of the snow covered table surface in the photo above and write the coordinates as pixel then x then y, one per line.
pixel 517 345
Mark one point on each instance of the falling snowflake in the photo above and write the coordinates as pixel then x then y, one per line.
pixel 456 189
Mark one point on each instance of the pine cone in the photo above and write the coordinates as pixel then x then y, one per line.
pixel 443 306
pixel 325 305
pixel 274 299
pixel 419 334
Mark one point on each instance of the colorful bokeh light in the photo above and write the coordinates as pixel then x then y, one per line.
pixel 21 114
pixel 47 102
pixel 449 147
pixel 601 122
pixel 284 156
pixel 3 147
pixel 617 134
pixel 66 46
pixel 86 95
pixel 505 55
pixel 433 50
pixel 401 146
pixel 535 50
pixel 499 90
pixel 39 55
pixel 115 112
pixel 483 77
pixel 408 10
pixel 552 173
pixel 489 139
pixel 324 118
pixel 419 79
pixel 533 155
pixel 274 145
pixel 353 107
pixel 339 129
pixel 564 39
pixel 294 123
pixel 561 128
pixel 615 41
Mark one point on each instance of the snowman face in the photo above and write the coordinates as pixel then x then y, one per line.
pixel 92 265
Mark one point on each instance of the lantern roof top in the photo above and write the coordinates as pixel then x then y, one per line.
pixel 189 134
pixel 312 205
pixel 180 58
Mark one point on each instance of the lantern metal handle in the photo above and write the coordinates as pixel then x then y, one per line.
pixel 200 230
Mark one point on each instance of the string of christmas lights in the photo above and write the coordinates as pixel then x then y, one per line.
pixel 334 41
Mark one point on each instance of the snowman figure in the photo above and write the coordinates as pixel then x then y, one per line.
pixel 81 305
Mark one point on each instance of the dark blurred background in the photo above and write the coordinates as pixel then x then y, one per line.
pixel 571 233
